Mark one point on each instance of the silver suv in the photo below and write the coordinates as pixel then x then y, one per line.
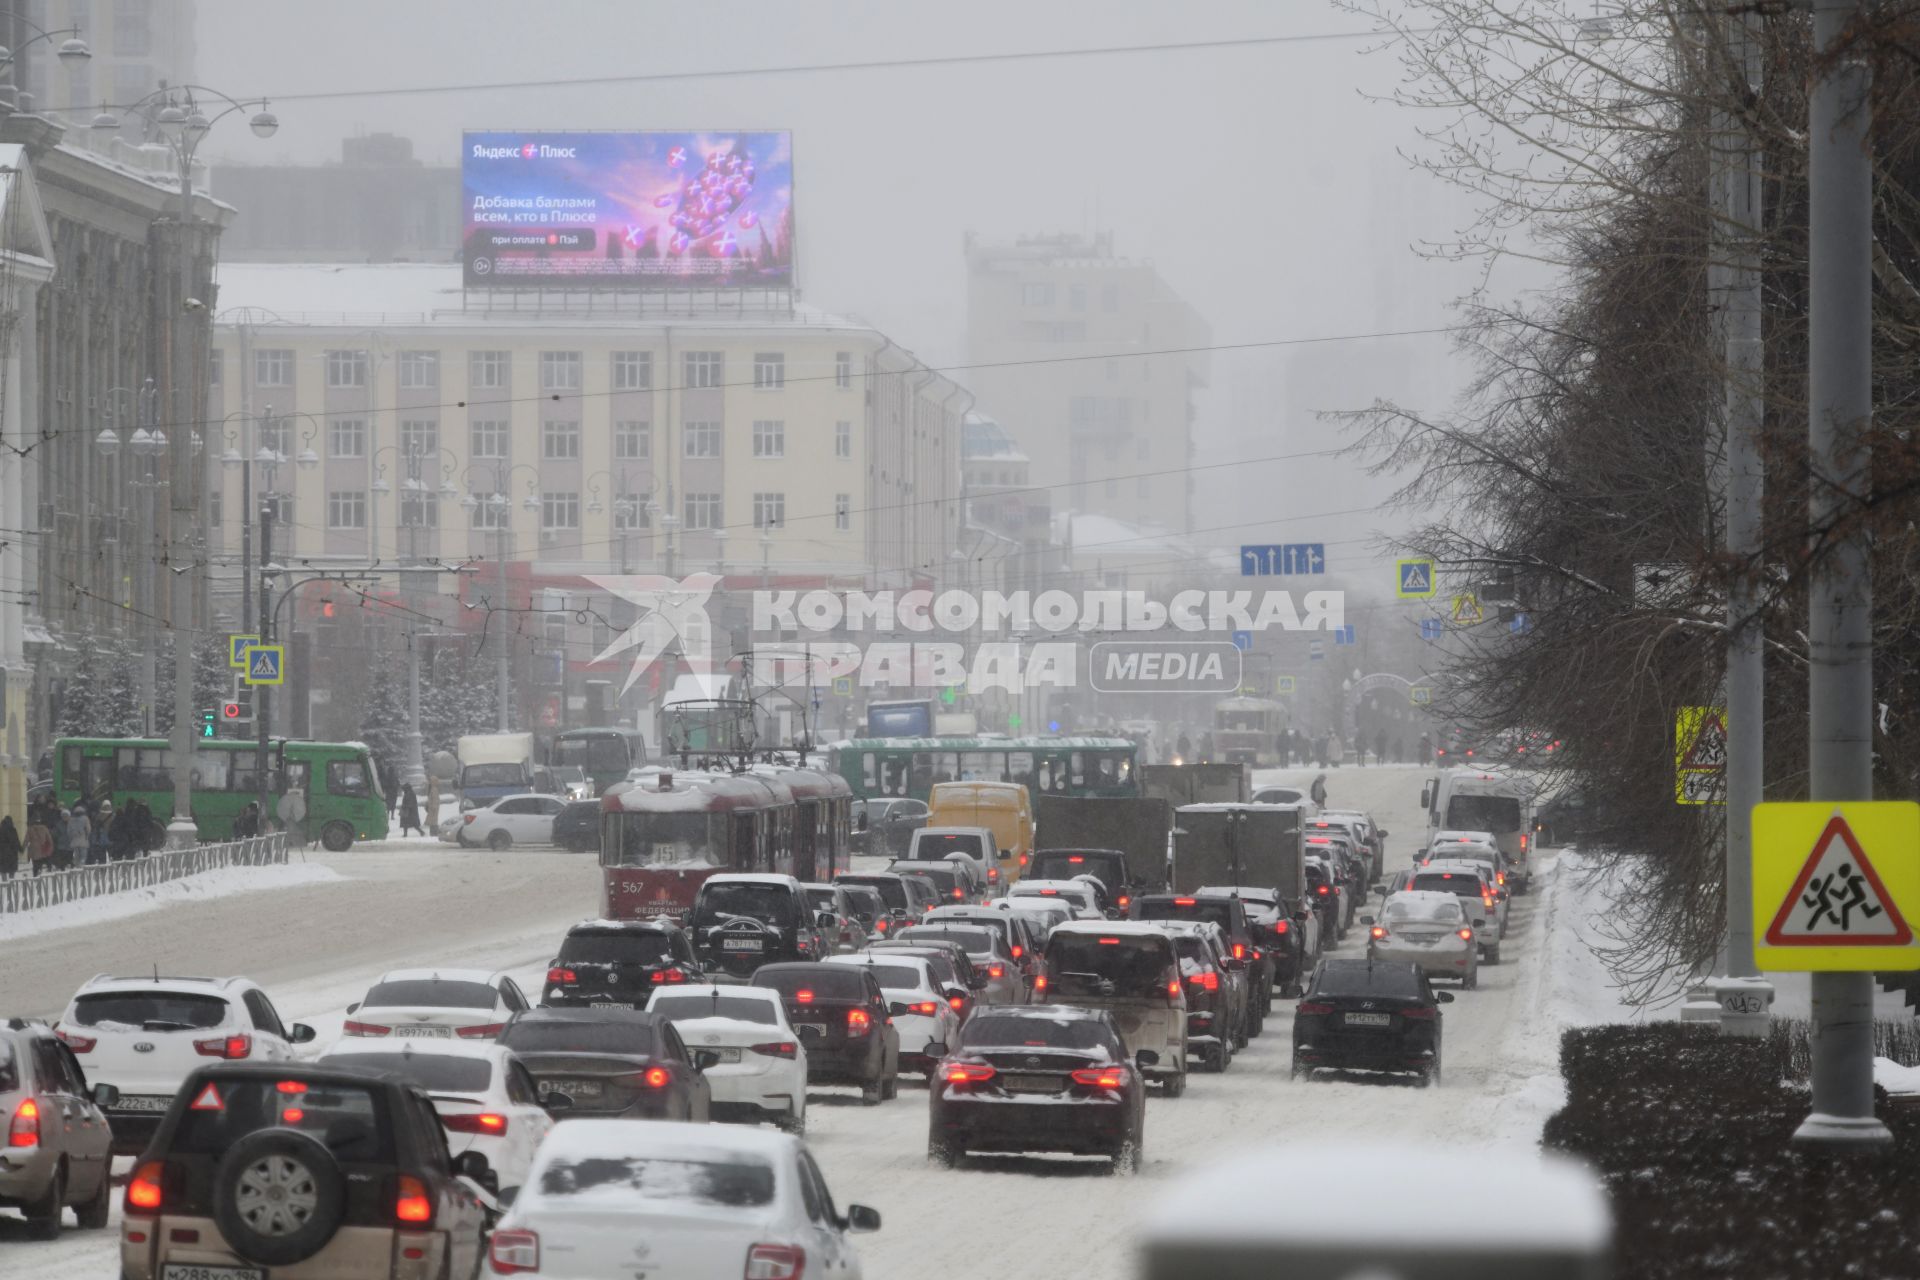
pixel 55 1148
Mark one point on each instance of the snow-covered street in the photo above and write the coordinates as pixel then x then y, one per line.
pixel 316 947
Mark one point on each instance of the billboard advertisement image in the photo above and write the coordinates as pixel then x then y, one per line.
pixel 628 210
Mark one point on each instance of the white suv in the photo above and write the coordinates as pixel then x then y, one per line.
pixel 144 1036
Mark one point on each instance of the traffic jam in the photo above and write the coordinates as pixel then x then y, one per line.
pixel 1032 971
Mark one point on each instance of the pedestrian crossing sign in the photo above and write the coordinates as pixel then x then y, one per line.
pixel 1834 886
pixel 1283 684
pixel 1420 695
pixel 1415 579
pixel 237 647
pixel 843 686
pixel 266 664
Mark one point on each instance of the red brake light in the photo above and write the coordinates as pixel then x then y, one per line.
pixel 1378 932
pixel 1184 902
pixel 1123 901
pixel 1466 935
pixel 1076 858
pixel 565 976
pixel 775 1262
pixel 1523 842
pixel 1323 890
pixel 858 1022
pixel 1239 951
pixel 1040 983
pixel 1419 1012
pixel 77 1043
pixel 1109 942
pixel 1280 926
pixel 1023 859
pixel 958 893
pixel 1018 951
pixel 25 1129
pixel 657 1077
pixel 486 1122
pixel 667 977
pixel 485 1031
pixel 925 1007
pixel 775 1049
pixel 1102 1077
pixel 229 1047
pixel 968 1073
pixel 1049 893
pixel 1311 1007
pixel 411 1202
pixel 143 1189
pixel 804 996
pixel 365 1029
pixel 513 1251
pixel 959 1003
pixel 1173 989
pixel 883 924
pixel 996 971
pixel 290 1086
pixel 1208 981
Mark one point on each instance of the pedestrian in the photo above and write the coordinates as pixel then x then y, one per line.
pixel 10 848
pixel 1380 747
pixel 390 784
pixel 410 811
pixel 1183 749
pixel 79 835
pixel 1318 791
pixel 57 820
pixel 102 820
pixel 39 844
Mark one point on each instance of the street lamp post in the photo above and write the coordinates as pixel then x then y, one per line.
pixel 181 124
pixel 499 504
pixel 627 505
pixel 73 52
pixel 413 769
pixel 146 442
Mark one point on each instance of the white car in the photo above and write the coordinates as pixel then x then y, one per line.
pixel 510 820
pixel 762 1069
pixel 471 1004
pixel 1079 896
pixel 613 1197
pixel 922 1011
pixel 146 1035
pixel 1043 913
pixel 486 1100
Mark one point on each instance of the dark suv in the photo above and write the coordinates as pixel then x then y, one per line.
pixel 740 922
pixel 1227 911
pixel 618 962
pixel 611 1062
pixel 841 1016
pixel 335 1171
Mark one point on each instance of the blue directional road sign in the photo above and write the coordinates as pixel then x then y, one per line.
pixel 1264 560
pixel 1316 649
pixel 1520 623
pixel 266 664
pixel 1243 640
pixel 1432 628
pixel 1343 635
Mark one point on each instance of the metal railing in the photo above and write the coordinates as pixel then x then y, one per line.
pixel 26 891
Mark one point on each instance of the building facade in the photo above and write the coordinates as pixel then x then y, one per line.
pixel 1097 358
pixel 135 45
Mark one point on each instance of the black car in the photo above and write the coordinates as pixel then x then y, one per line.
pixel 884 826
pixel 313 1168
pixel 869 908
pixel 1367 1016
pixel 740 922
pixel 1277 930
pixel 906 901
pixel 1227 911
pixel 609 1062
pixel 618 962
pixel 951 882
pixel 841 1017
pixel 577 826
pixel 1041 1077
pixel 1108 866
pixel 1321 893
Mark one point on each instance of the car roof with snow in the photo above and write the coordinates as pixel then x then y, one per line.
pixel 1260 892
pixel 652 924
pixel 1434 896
pixel 1464 837
pixel 751 877
pixel 866 960
pixel 134 982
pixel 952 831
pixel 663 1139
pixel 1455 866
pixel 485 977
pixel 1116 928
pixel 1034 887
pixel 767 995
pixel 439 1048
pixel 1046 1012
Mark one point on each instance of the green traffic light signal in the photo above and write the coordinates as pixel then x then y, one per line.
pixel 206 724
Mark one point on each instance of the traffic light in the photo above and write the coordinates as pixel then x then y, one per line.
pixel 206 724
pixel 229 711
pixel 326 606
pixel 237 711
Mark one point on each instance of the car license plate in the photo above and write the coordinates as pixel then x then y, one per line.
pixel 423 1031
pixel 578 1088
pixel 816 1029
pixel 740 944
pixel 725 1055
pixel 142 1102
pixel 196 1271
pixel 1032 1084
pixel 1369 1020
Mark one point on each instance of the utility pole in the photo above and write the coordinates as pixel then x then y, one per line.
pixel 502 676
pixel 181 830
pixel 416 765
pixel 1840 634
pixel 1745 997
pixel 263 693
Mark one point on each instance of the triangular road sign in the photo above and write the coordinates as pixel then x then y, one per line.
pixel 1838 899
pixel 208 1100
pixel 1466 611
pixel 1709 749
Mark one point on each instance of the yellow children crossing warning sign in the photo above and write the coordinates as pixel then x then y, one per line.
pixel 1700 755
pixel 1466 611
pixel 1835 884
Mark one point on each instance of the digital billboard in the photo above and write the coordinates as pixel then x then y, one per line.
pixel 628 210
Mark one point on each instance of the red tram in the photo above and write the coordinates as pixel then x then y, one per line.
pixel 666 831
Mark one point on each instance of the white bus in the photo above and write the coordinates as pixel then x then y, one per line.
pixel 1485 800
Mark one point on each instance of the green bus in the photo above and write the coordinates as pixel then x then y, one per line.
pixel 876 767
pixel 342 788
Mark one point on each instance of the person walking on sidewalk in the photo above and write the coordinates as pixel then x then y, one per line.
pixel 39 845
pixel 79 836
pixel 410 811
pixel 10 848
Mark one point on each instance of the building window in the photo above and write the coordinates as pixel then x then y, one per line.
pixel 346 368
pixel 559 370
pixel 347 438
pixel 273 368
pixel 347 509
pixel 216 367
pixel 419 436
pixel 843 511
pixel 559 511
pixel 487 439
pixel 559 439
pixel 704 368
pixel 843 439
pixel 1036 294
pixel 769 510
pixel 279 508
pixel 489 514
pixel 630 513
pixel 703 511
pixel 632 370
pixel 1077 297
pixel 769 371
pixel 275 435
pixel 632 441
pixel 419 511
pixel 132 28
pixel 843 370
pixel 488 370
pixel 701 439
pixel 769 438
pixel 419 370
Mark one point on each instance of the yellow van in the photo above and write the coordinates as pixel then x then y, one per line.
pixel 1003 808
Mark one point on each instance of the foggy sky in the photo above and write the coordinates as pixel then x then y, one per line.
pixel 1258 179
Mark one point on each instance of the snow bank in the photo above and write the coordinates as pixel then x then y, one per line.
pixel 118 906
